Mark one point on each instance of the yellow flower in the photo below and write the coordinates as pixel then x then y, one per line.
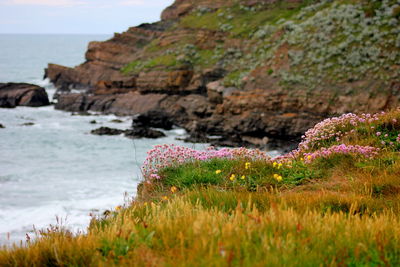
pixel 118 208
pixel 243 177
pixel 279 165
pixel 247 165
pixel 302 159
pixel 233 177
pixel 309 157
pixel 274 164
pixel 165 198
pixel 278 177
pixel 218 171
pixel 174 189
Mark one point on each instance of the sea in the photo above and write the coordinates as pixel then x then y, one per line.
pixel 52 170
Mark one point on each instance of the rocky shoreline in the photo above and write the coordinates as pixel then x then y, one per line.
pixel 263 88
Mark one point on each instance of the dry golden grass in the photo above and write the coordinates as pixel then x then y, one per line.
pixel 189 231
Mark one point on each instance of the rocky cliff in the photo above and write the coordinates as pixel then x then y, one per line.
pixel 251 71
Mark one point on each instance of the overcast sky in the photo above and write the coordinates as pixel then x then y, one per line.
pixel 77 16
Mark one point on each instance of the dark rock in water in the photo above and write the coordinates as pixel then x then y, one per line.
pixel 117 121
pixel 22 94
pixel 28 124
pixel 144 132
pixel 107 131
pixel 153 118
pixel 141 132
pixel 2 126
pixel 93 122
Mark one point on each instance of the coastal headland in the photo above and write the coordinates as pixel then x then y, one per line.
pixel 255 73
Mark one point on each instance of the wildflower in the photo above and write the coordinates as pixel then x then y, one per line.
pixel 233 177
pixel 218 171
pixel 165 198
pixel 278 177
pixel 118 208
pixel 247 165
pixel 243 177
pixel 274 164
pixel 280 165
pixel 366 151
pixel 174 189
pixel 163 156
pixel 378 134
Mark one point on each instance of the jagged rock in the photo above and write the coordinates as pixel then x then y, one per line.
pixel 22 94
pixel 107 131
pixel 153 118
pixel 93 122
pixel 182 7
pixel 105 59
pixel 62 77
pixel 170 82
pixel 119 104
pixel 2 126
pixel 143 132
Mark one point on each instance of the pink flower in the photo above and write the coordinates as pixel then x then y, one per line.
pixel 164 156
pixel 365 151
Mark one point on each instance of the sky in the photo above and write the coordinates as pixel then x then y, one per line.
pixel 77 16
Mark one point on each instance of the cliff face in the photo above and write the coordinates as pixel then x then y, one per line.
pixel 252 71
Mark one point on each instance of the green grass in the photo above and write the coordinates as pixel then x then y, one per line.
pixel 244 22
pixel 200 60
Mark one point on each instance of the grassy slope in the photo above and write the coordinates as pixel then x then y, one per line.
pixel 338 210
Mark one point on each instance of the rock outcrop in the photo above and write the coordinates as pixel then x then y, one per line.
pixel 22 94
pixel 134 133
pixel 107 131
pixel 256 72
pixel 144 132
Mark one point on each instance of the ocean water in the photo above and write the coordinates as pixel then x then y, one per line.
pixel 55 170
